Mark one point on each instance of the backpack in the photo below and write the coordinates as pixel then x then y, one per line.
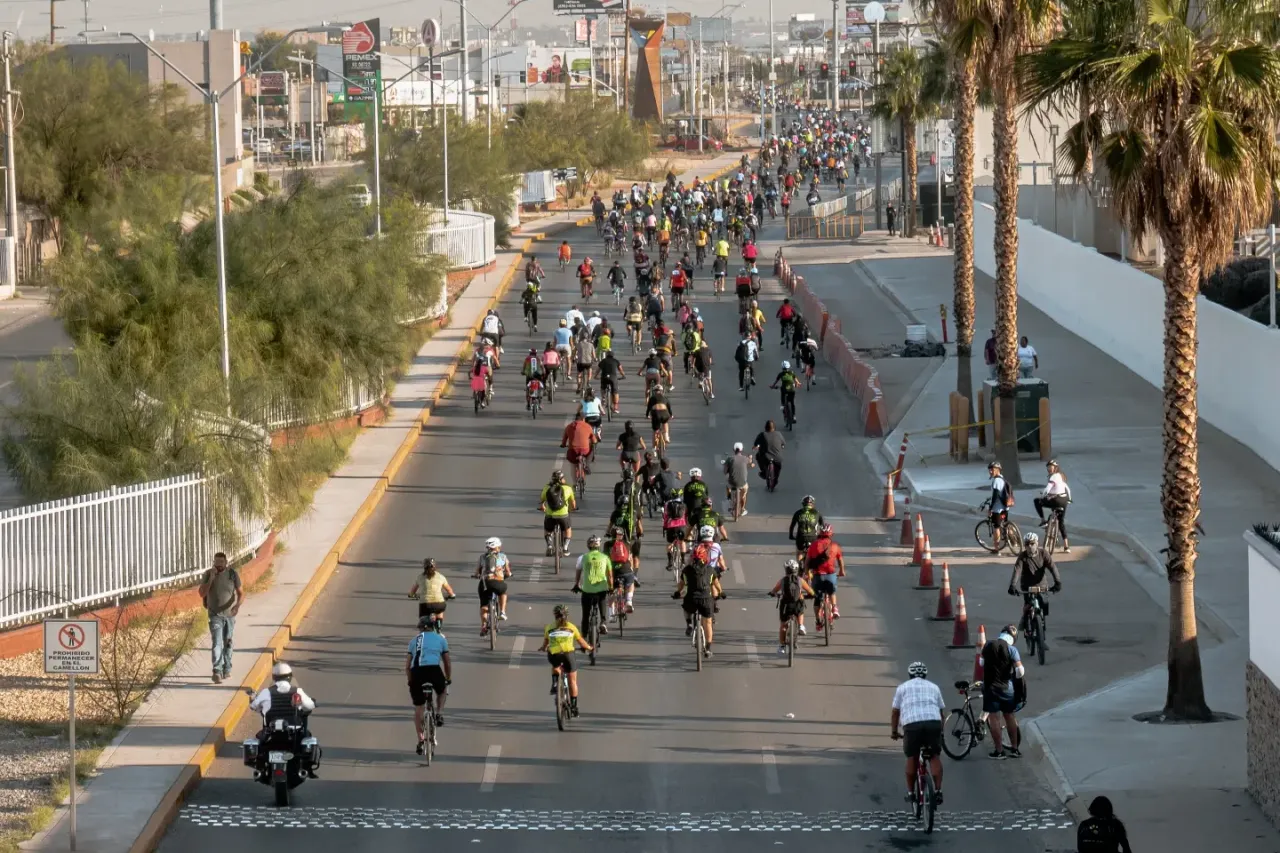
pixel 791 591
pixel 555 497
pixel 740 354
pixel 675 508
pixel 807 524
pixel 619 552
pixel 822 560
pixel 1007 494
pixel 697 580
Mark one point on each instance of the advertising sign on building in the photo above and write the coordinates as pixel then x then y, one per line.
pixel 855 20
pixel 362 63
pixel 804 28
pixel 273 84
pixel 580 30
pixel 584 7
pixel 552 64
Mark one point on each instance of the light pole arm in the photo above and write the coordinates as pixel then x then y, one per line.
pixel 199 87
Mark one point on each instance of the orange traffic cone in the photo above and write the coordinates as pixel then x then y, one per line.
pixel 907 536
pixel 960 637
pixel 944 597
pixel 918 553
pixel 926 568
pixel 886 509
pixel 977 658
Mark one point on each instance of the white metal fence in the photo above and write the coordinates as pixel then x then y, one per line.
pixel 67 555
pixel 467 240
pixel 356 398
pixel 537 188
pixel 824 209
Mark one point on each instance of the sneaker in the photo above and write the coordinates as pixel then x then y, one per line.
pixel 688 630
pixel 836 613
pixel 484 631
pixel 821 624
pixel 1066 549
pixel 740 388
pixel 550 551
pixel 604 629
pixel 217 678
pixel 782 650
pixel 744 512
pixel 502 617
pixel 997 754
pixel 803 632
pixel 553 690
pixel 573 711
pixel 937 798
pixel 566 550
pixel 630 609
pixel 439 720
pixel 1013 751
pixel 910 798
pixel 422 746
pixel 1043 524
pixel 706 653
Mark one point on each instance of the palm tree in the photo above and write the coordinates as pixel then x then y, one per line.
pixel 901 96
pixel 1189 98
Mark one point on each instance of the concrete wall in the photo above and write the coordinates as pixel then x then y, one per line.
pixel 1262 677
pixel 1078 218
pixel 1120 310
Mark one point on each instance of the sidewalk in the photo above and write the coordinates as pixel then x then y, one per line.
pixel 1107 436
pixel 159 757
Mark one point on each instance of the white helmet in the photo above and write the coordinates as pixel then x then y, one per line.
pixel 595 313
pixel 706 532
pixel 493 543
pixel 737 446
pixel 786 365
pixel 281 671
pixel 695 472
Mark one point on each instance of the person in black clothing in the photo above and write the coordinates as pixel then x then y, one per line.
pixel 610 371
pixel 768 448
pixel 1028 571
pixel 617 275
pixel 699 587
pixel 631 444
pixel 890 215
pixel 1102 831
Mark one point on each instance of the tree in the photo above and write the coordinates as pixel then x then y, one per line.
pixel 90 131
pixel 279 61
pixel 901 96
pixel 1008 28
pixel 1188 97
pixel 600 140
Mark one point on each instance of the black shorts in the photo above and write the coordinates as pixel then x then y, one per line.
pixel 824 587
pixel 790 608
pixel 563 660
pixel 487 589
pixel 675 534
pixel 426 608
pixel 608 385
pixel 802 545
pixel 702 605
pixel 584 366
pixel 927 734
pixel 421 677
pixel 623 577
pixel 595 420
pixel 658 418
pixel 550 523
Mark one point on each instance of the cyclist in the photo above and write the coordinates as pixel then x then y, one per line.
pixel 1002 675
pixel 586 275
pixel 432 591
pixel 559 640
pixel 686 264
pixel 1001 502
pixel 603 336
pixel 702 362
pixel 427 665
pixel 699 587
pixel 529 298
pixel 652 369
pixel 692 340
pixel 634 316
pixel 722 252
pixel 481 377
pixel 918 707
pixel 624 568
pixel 752 322
pixel 575 318
pixel 556 502
pixel 533 272
pixel 805 524
pixel 700 245
pixel 579 437
pixel 790 589
pixel 1057 494
pixel 706 516
pixel 631 444
pixel 807 354
pixel 626 518
pixel 1028 571
pixel 709 551
pixel 617 275
pixel 493 568
pixel 695 492
pixel 745 355
pixel 825 559
pixel 786 314
pixel 735 472
pixel 786 381
pixel 658 410
pixel 551 361
pixel 594 322
pixel 534 374
pixel 491 328
pixel 664 341
pixel 585 356
pixel 675 521
pixel 610 370
pixel 564 345
pixel 594 579
pixel 566 254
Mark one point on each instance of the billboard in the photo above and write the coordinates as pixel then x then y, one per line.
pixel 585 7
pixel 273 84
pixel 711 30
pixel 551 65
pixel 362 63
pixel 580 30
pixel 806 30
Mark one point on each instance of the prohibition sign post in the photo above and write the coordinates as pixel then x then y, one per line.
pixel 71 648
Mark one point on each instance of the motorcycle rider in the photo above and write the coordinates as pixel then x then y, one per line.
pixel 283 700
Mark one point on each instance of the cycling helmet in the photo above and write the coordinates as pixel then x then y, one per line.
pixel 993 465
pixel 557 476
pixel 653 351
pixel 648 456
pixel 791 567
pixel 429 563
pixel 564 323
pixel 594 313
pixel 695 472
pixel 706 533
pixel 1053 465
pixel 786 365
pixel 560 612
pixel 493 543
pixel 282 671
pixel 697 312
pixel 807 500
pixel 918 670
pixel 1031 540
pixel 737 447
pixel 593 543
pixel 429 622
pixel 1011 630
pixel 533 350
pixel 826 529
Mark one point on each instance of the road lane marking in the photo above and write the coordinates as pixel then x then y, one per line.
pixel 753 656
pixel 711 420
pixel 517 649
pixel 739 576
pixel 491 768
pixel 771 783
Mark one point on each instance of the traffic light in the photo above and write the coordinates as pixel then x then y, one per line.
pixel 497 81
pixel 824 71
pixel 800 70
pixel 844 75
pixel 853 68
pixel 524 80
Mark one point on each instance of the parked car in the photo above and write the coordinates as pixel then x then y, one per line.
pixel 262 146
pixel 690 143
pixel 297 148
pixel 359 195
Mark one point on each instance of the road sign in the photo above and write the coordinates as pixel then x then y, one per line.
pixel 71 646
pixel 430 33
pixel 873 12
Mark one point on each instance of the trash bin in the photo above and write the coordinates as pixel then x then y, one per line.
pixel 1026 407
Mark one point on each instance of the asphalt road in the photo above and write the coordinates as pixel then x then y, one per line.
pixel 746 755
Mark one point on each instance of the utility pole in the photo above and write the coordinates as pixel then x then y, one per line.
pixel 835 59
pixel 591 58
pixel 626 58
pixel 11 174
pixel 466 60
pixel 215 14
pixel 699 85
pixel 53 19
pixel 85 30
pixel 773 74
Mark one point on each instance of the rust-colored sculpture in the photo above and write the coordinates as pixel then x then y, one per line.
pixel 647 103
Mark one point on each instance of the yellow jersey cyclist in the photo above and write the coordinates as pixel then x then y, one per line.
pixel 594 579
pixel 556 501
pixel 559 639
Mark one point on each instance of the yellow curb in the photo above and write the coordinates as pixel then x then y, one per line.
pixel 191 774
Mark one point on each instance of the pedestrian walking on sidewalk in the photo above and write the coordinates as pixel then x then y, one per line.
pixel 1102 831
pixel 1003 674
pixel 221 592
pixel 890 215
pixel 989 357
pixel 1027 358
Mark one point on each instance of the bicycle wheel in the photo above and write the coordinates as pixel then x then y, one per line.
pixel 533 408
pixel 562 710
pixel 793 632
pixel 1039 624
pixel 827 612
pixel 621 609
pixel 1051 534
pixel 429 748
pixel 1033 641
pixel 984 535
pixel 493 623
pixel 556 546
pixel 746 385
pixel 917 800
pixel 958 736
pixel 699 641
pixel 1012 538
pixel 930 807
pixel 593 635
pixel 706 392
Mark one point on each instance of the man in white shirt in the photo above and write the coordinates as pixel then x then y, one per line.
pixel 574 316
pixel 491 328
pixel 284 700
pixel 1028 361
pixel 745 355
pixel 594 320
pixel 918 708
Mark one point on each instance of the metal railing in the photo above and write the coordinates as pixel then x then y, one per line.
pixel 356 398
pixel 467 241
pixel 824 209
pixel 840 227
pixel 68 555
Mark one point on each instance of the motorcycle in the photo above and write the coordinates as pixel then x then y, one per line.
pixel 281 756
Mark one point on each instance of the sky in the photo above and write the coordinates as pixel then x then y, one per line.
pixel 177 16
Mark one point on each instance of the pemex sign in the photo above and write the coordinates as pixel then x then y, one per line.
pixel 362 62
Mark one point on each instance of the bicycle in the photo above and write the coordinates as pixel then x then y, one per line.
pixel 964 725
pixel 789 411
pixel 925 796
pixel 660 443
pixel 771 475
pixel 535 402
pixel 1035 622
pixel 704 385
pixel 429 744
pixel 827 614
pixel 556 546
pixel 738 501
pixel 699 640
pixel 793 633
pixel 748 378
pixel 617 293
pixel 564 264
pixel 491 622
pixel 619 603
pixel 651 501
pixel 1010 535
pixel 1053 532
pixel 580 478
pixel 593 630
pixel 564 711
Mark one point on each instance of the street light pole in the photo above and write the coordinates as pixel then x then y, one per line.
pixel 773 75
pixel 466 62
pixel 11 173
pixel 835 59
